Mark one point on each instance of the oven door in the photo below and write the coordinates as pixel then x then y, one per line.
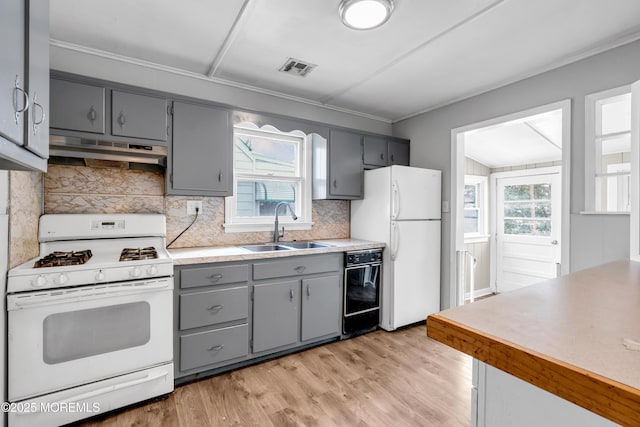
pixel 64 338
pixel 361 289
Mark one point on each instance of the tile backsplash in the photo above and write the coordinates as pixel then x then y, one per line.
pixel 78 189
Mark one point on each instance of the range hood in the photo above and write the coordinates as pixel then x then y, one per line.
pixel 65 146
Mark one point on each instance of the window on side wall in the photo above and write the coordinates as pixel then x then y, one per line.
pixel 475 208
pixel 269 167
pixel 608 146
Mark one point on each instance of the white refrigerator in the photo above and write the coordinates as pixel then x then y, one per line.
pixel 401 207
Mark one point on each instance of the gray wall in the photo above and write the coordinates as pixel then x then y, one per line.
pixel 122 72
pixel 430 135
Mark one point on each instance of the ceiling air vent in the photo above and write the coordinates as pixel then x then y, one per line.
pixel 297 67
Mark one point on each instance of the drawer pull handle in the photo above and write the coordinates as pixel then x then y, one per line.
pixel 300 269
pixel 216 307
pixel 216 277
pixel 216 347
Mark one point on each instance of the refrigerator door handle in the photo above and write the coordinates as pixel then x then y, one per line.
pixel 395 203
pixel 395 241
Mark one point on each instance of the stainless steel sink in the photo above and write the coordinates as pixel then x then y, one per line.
pixel 305 245
pixel 266 248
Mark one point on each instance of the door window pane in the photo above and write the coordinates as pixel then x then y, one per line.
pixel 527 227
pixel 517 192
pixel 527 209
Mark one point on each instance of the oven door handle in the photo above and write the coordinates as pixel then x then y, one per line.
pixel 18 302
pixel 109 389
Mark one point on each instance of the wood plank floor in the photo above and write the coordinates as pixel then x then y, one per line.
pixel 394 379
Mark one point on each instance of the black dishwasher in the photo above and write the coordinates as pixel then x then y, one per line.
pixel 362 280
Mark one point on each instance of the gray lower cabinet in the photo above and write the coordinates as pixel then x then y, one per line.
pixel 201 155
pixel 24 49
pixel 320 313
pixel 77 106
pixel 230 313
pixel 140 116
pixel 275 315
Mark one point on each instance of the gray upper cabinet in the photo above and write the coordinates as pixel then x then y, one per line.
pixel 139 116
pixel 275 315
pixel 37 83
pixel 398 153
pixel 13 96
pixel 375 151
pixel 77 107
pixel 201 155
pixel 346 169
pixel 320 307
pixel 17 19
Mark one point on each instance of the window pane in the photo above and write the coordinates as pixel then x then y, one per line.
pixel 527 227
pixel 518 209
pixel 471 221
pixel 517 192
pixel 265 156
pixel 260 197
pixel 542 191
pixel 470 196
pixel 615 114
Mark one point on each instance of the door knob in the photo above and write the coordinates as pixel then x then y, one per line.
pixel 554 242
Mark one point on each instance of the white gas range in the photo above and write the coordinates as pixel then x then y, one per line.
pixel 90 320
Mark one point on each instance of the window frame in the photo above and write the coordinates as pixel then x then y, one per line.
pixel 482 203
pixel 591 140
pixel 234 223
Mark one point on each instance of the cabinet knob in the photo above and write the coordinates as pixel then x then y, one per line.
pixel 93 115
pixel 220 176
pixel 392 158
pixel 290 294
pixel 308 290
pixel 121 119
pixel 381 156
pixel 335 183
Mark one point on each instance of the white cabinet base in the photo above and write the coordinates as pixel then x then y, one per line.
pixel 502 400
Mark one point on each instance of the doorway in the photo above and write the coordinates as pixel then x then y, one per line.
pixel 510 201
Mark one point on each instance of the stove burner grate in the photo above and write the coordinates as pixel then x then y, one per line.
pixel 137 254
pixel 58 259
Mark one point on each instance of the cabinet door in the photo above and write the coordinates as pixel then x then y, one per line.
pixel 76 106
pixel 138 116
pixel 375 151
pixel 37 131
pixel 201 156
pixel 398 153
pixel 320 307
pixel 275 315
pixel 13 98
pixel 346 170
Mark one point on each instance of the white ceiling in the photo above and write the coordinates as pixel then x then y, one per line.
pixel 535 139
pixel 430 53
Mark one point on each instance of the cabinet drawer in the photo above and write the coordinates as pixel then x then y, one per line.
pixel 211 347
pixel 214 275
pixel 296 267
pixel 211 307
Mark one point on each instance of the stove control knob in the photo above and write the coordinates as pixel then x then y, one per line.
pixel 100 276
pixel 152 270
pixel 41 280
pixel 62 279
pixel 136 272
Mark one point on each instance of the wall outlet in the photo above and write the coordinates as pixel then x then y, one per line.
pixel 192 205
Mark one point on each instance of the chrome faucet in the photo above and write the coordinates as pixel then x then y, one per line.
pixel 276 233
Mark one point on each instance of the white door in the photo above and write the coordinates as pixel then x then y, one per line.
pixel 416 271
pixel 528 218
pixel 415 193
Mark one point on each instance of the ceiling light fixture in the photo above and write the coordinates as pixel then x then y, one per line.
pixel 365 14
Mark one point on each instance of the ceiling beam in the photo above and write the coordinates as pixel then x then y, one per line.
pixel 543 136
pixel 411 51
pixel 231 35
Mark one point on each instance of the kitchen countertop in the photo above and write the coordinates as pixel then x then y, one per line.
pixel 563 335
pixel 202 255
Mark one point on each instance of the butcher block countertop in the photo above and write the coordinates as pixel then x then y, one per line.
pixel 564 335
pixel 238 253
